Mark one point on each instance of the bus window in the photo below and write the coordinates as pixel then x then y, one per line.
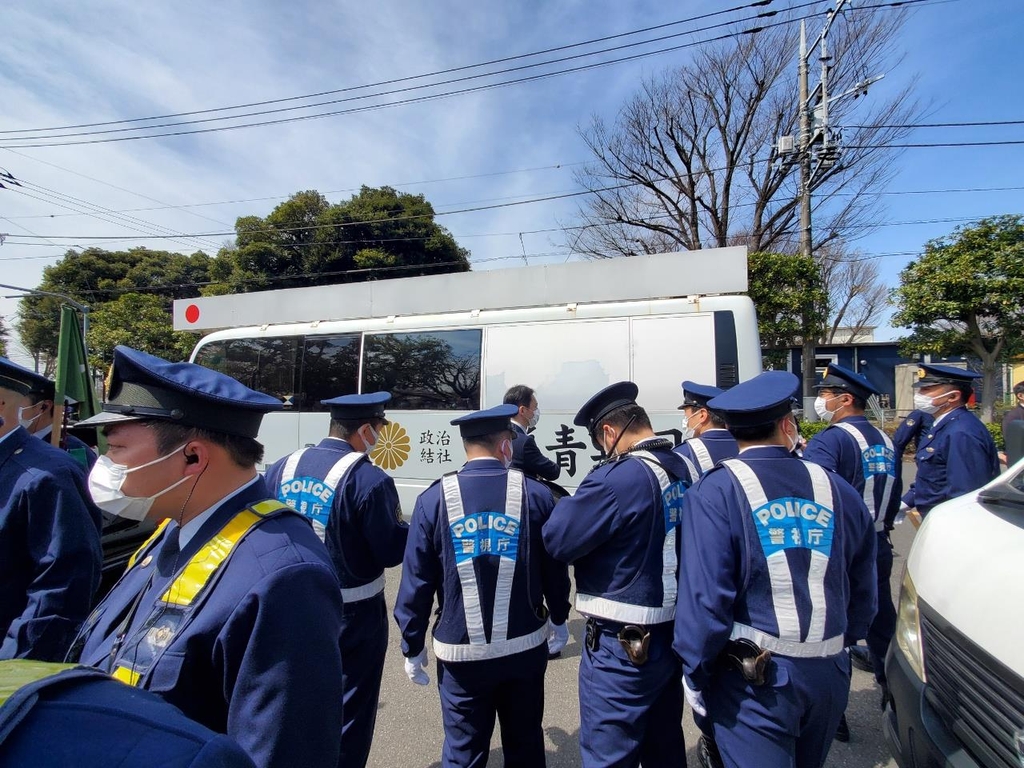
pixel 330 368
pixel 264 364
pixel 432 370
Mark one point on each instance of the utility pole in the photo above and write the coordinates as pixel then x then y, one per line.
pixel 816 149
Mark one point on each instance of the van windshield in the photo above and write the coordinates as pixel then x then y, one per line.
pixel 1009 492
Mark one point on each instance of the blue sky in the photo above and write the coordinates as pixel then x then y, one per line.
pixel 92 61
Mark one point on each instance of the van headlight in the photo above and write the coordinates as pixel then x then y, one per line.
pixel 908 626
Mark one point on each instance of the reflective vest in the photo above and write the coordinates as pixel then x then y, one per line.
pixel 878 463
pixel 629 613
pixel 700 451
pixel 186 591
pixel 780 524
pixel 314 497
pixel 500 643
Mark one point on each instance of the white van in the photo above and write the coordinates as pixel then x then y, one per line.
pixel 447 344
pixel 955 669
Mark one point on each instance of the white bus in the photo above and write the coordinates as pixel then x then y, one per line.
pixel 448 344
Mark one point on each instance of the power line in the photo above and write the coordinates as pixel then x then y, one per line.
pixel 474 89
pixel 977 124
pixel 394 81
pixel 942 144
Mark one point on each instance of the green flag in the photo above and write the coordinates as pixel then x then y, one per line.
pixel 73 379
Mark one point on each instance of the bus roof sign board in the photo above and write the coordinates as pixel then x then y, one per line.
pixel 666 275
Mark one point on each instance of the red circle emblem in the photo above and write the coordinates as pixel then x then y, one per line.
pixel 191 313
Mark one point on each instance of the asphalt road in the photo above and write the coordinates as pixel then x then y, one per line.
pixel 409 733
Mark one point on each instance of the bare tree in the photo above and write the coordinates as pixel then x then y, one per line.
pixel 688 161
pixel 856 296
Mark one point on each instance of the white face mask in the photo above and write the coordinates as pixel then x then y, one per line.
pixel 27 423
pixel 796 438
pixel 505 448
pixel 821 407
pixel 688 431
pixel 371 444
pixel 535 419
pixel 106 479
pixel 927 404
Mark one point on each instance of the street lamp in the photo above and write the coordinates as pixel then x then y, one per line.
pixel 77 305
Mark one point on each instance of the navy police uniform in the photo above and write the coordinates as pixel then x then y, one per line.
pixel 910 430
pixel 526 456
pixel 619 530
pixel 50 556
pixel 236 618
pixel 778 555
pixel 475 540
pixel 45 389
pixel 713 445
pixel 56 715
pixel 865 457
pixel 956 455
pixel 354 506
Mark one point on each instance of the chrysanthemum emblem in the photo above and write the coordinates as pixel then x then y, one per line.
pixel 392 447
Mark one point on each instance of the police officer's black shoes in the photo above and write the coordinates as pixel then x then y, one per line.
pixel 707 753
pixel 860 657
pixel 843 731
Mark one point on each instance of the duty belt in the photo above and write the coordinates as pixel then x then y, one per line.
pixel 635 639
pixel 185 593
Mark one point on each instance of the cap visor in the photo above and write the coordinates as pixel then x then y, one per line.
pixel 107 417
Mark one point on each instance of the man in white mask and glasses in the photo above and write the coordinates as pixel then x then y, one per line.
pixel 354 507
pixel 231 611
pixel 957 454
pixel 49 532
pixel 863 455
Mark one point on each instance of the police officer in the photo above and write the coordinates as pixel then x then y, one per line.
pixel 232 610
pixel 706 441
pixel 50 556
pixel 777 576
pixel 619 532
pixel 863 456
pixel 354 507
pixel 475 540
pixel 56 715
pixel 37 419
pixel 957 454
pixel 526 456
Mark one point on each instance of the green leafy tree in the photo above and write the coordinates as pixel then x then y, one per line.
pixel 4 333
pixel 377 233
pixel 138 320
pixel 791 301
pixel 962 296
pixel 94 277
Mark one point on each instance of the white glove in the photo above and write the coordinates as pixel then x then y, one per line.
pixel 694 698
pixel 414 668
pixel 902 514
pixel 558 637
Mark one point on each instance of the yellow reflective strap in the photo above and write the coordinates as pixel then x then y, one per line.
pixel 194 576
pixel 126 676
pixel 147 542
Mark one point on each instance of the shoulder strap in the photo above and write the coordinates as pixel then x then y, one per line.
pixel 701 452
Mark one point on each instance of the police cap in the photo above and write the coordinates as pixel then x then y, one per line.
pixel 760 400
pixel 355 407
pixel 488 422
pixel 146 387
pixel 604 402
pixel 944 374
pixel 23 380
pixel 697 395
pixel 837 377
